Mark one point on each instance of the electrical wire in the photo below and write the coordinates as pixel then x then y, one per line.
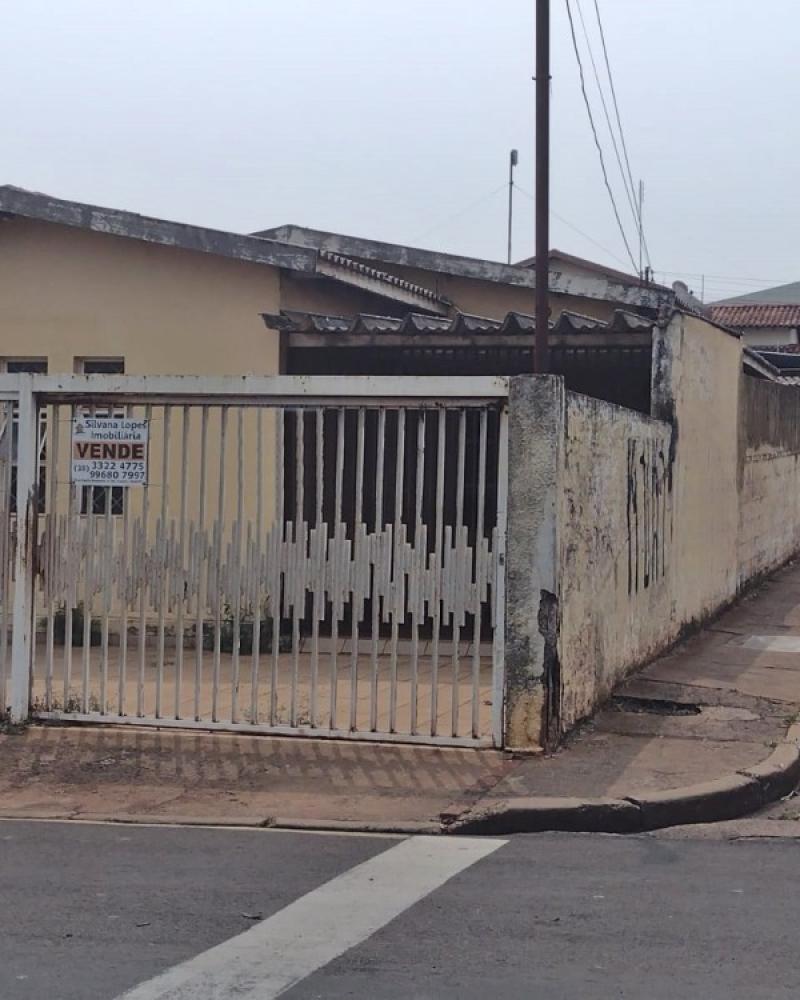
pixel 596 136
pixel 737 279
pixel 463 211
pixel 629 189
pixel 571 225
pixel 619 123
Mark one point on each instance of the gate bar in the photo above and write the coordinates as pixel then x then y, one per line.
pixel 22 638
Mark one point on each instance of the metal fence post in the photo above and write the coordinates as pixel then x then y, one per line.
pixel 23 636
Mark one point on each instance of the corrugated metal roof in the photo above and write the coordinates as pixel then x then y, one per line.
pixel 780 349
pixel 755 315
pixel 460 324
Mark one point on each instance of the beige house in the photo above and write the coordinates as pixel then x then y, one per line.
pixel 84 288
pixel 482 287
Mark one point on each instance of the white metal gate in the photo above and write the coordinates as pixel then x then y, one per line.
pixel 8 535
pixel 319 556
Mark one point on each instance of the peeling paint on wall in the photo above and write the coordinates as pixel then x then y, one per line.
pixel 616 527
pixel 647 512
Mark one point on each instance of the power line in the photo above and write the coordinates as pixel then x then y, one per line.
pixel 596 137
pixel 726 277
pixel 629 190
pixel 463 211
pixel 619 121
pixel 571 225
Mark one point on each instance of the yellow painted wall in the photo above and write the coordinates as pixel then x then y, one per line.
pixel 494 300
pixel 331 298
pixel 706 367
pixel 67 292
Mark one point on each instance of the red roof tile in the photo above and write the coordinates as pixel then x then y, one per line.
pixel 754 315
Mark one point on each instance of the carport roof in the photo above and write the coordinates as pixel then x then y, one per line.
pixel 312 329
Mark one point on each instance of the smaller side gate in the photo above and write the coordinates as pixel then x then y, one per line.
pixel 310 556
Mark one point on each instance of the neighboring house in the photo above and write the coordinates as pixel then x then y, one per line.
pixel 481 287
pixel 567 270
pixel 83 284
pixel 768 318
pixel 87 286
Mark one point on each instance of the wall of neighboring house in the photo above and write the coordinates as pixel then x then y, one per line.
pixel 769 476
pixel 331 298
pixel 67 293
pixel 770 336
pixel 492 299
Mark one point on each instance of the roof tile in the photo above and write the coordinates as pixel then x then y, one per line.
pixel 755 315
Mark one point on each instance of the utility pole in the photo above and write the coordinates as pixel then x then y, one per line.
pixel 541 345
pixel 513 161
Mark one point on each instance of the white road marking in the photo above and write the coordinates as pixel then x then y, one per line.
pixel 773 643
pixel 267 960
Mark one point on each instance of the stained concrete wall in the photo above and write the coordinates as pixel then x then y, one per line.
pixel 616 552
pixel 536 436
pixel 634 528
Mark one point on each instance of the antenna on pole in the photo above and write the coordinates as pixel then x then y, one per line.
pixel 513 161
pixel 541 345
pixel 641 229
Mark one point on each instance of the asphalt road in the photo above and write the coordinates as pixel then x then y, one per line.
pixel 90 912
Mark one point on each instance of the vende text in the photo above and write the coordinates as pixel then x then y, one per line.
pixel 113 451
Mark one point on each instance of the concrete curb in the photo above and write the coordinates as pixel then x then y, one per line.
pixel 538 815
pixel 401 828
pixel 729 797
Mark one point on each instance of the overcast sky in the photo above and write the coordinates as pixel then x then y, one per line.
pixel 393 119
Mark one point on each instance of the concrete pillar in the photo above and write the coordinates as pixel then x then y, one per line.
pixel 537 414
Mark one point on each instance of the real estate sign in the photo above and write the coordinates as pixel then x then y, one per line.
pixel 109 451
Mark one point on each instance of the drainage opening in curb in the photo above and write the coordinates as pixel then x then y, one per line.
pixel 653 706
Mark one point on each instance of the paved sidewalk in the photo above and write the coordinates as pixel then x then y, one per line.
pixel 706 714
pixel 146 775
pixel 682 741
